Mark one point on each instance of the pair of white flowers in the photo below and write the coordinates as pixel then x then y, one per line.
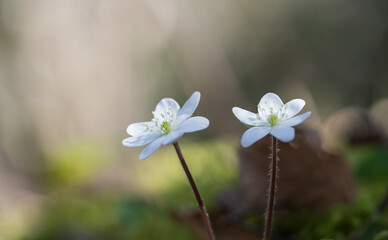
pixel 170 122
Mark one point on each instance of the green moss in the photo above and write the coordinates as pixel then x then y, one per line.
pixel 162 188
pixel 383 235
pixel 145 214
pixel 370 162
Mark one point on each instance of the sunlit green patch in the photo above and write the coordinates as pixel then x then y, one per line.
pixel 73 162
pixel 212 163
pixel 106 218
pixel 146 213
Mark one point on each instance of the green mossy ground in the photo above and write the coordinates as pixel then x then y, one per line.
pixel 70 213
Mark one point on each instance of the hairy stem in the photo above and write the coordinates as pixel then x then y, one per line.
pixel 205 215
pixel 271 191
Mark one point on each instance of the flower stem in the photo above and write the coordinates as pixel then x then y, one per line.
pixel 205 215
pixel 271 190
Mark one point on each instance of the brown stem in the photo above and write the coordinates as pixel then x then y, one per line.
pixel 205 215
pixel 272 189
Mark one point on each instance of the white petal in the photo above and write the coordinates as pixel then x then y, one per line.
pixel 172 137
pixel 295 120
pixel 283 133
pixel 245 116
pixel 139 141
pixel 253 135
pixel 292 108
pixel 164 105
pixel 137 129
pixel 193 124
pixel 151 148
pixel 271 101
pixel 189 107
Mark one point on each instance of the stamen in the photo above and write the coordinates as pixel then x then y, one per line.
pixel 272 119
pixel 165 127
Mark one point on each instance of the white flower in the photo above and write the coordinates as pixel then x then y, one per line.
pixel 170 122
pixel 273 118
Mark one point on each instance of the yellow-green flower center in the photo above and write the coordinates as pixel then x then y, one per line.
pixel 165 126
pixel 272 119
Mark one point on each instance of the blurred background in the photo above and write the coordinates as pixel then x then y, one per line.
pixel 75 74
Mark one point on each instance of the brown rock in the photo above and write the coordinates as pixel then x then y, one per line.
pixel 352 126
pixel 309 177
pixel 379 114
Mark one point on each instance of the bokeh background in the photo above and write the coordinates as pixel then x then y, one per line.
pixel 74 74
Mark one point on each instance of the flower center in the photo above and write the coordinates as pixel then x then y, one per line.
pixel 165 121
pixel 272 119
pixel 165 127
